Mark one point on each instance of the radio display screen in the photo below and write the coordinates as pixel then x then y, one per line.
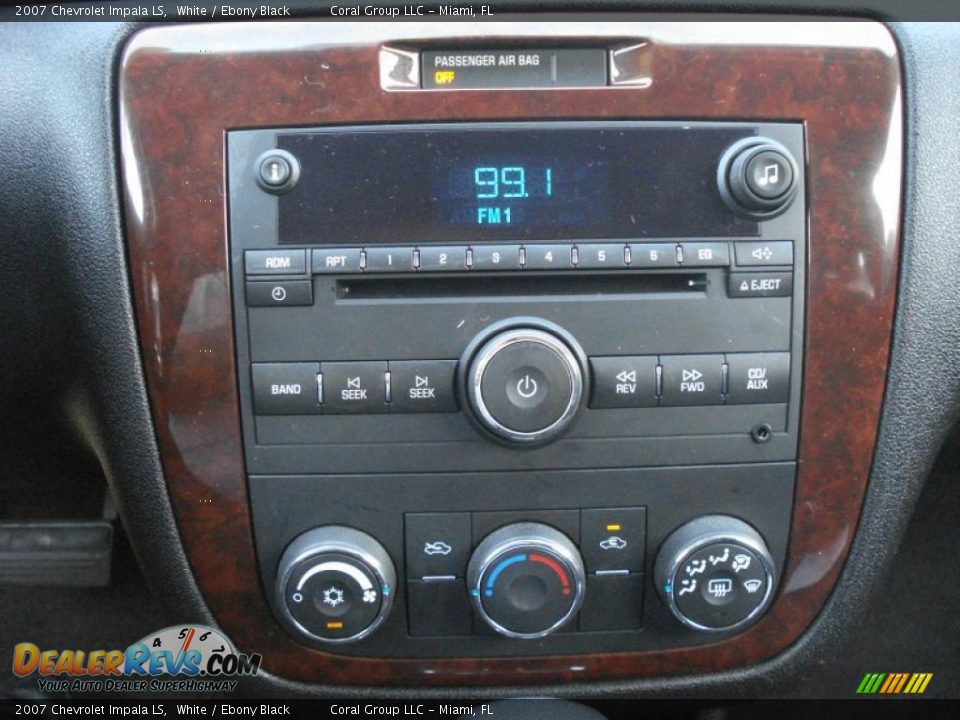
pixel 511 182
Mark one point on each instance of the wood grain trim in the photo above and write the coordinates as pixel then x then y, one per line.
pixel 182 88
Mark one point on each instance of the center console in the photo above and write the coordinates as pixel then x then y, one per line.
pixel 540 351
pixel 517 357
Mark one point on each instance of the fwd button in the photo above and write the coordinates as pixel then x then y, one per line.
pixel 692 379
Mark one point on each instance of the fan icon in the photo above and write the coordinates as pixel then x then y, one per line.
pixel 369 596
pixel 333 596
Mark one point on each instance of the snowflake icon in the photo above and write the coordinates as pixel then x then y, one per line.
pixel 333 596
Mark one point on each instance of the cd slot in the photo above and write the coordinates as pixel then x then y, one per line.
pixel 479 286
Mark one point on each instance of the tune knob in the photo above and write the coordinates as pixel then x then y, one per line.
pixel 526 580
pixel 525 383
pixel 715 573
pixel 757 178
pixel 335 584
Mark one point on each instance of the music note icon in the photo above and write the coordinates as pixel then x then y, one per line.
pixel 771 175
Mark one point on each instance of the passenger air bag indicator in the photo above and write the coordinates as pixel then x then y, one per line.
pixel 513 68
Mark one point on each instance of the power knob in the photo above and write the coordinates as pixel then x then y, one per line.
pixel 715 574
pixel 335 585
pixel 524 381
pixel 757 178
pixel 526 580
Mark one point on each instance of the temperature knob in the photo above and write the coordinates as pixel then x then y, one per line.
pixel 526 580
pixel 335 584
pixel 715 573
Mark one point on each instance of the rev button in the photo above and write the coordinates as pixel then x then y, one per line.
pixel 422 386
pixel 354 387
pixel 620 382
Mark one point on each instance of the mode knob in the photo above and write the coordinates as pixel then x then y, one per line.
pixel 525 384
pixel 715 573
pixel 526 580
pixel 757 178
pixel 335 584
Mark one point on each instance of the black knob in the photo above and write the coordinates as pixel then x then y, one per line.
pixel 715 573
pixel 277 171
pixel 757 178
pixel 335 584
pixel 526 580
pixel 525 384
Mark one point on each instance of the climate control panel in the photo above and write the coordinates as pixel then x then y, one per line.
pixel 382 565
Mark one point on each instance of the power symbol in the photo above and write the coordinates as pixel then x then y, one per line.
pixel 527 387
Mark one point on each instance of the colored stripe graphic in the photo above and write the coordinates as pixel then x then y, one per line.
pixel 894 683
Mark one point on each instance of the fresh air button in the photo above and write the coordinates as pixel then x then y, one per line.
pixel 624 382
pixel 443 259
pixel 758 378
pixel 285 388
pixel 275 262
pixel 422 386
pixel 336 260
pixel 438 544
pixel 599 256
pixel 692 379
pixel 778 252
pixel 653 255
pixel 389 260
pixel 286 292
pixel 548 257
pixel 354 387
pixel 613 538
pixel 705 254
pixel 496 257
pixel 760 284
